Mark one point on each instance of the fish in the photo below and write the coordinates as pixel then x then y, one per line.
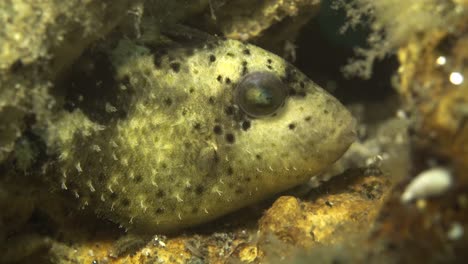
pixel 161 137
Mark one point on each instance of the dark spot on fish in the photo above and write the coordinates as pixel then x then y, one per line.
pixel 211 100
pixel 88 89
pixel 244 68
pixel 138 179
pixel 230 170
pixel 101 177
pixel 125 202
pixel 269 67
pixel 258 156
pixel 197 126
pixel 219 78
pixel 269 61
pixel 229 110
pixel 157 58
pixel 160 210
pixel 199 189
pixel 289 76
pixel 246 52
pixel 189 52
pixel 291 126
pixel 246 125
pixel 301 93
pixel 113 196
pixel 212 58
pixel 160 194
pixel 175 66
pixel 230 138
pixel 228 81
pixel 210 46
pixel 187 144
pixel 325 111
pixel 230 54
pixel 217 130
pixel 168 101
pixel 307 118
pixel 16 66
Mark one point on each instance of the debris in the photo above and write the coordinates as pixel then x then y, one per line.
pixel 431 182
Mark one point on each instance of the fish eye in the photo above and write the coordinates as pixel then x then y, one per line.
pixel 260 94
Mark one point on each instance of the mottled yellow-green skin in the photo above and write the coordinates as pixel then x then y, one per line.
pixel 149 158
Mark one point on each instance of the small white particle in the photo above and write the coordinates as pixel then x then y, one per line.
pixel 17 36
pixel 113 144
pixel 158 241
pixel 64 186
pixel 96 148
pixel 456 78
pixel 216 190
pixel 78 167
pixel 455 232
pixel 91 187
pixel 401 114
pixel 441 60
pixel 431 182
pixel 153 182
pixel 143 206
pixel 146 252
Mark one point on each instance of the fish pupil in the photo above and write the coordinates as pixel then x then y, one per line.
pixel 260 94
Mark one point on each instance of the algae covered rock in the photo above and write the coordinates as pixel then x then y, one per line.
pixel 38 40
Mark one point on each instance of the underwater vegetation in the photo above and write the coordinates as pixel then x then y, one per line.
pixel 157 131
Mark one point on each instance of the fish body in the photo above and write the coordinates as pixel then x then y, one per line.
pixel 178 135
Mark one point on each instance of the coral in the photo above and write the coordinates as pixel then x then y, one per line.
pixel 238 20
pixel 271 24
pixel 38 40
pixel 392 24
